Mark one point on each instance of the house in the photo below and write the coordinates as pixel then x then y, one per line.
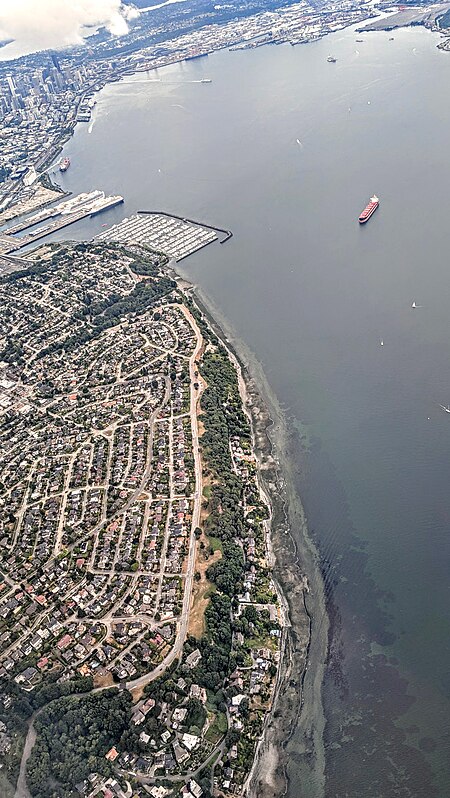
pixel 84 670
pixel 28 678
pixel 64 642
pixel 158 792
pixel 169 762
pixel 112 754
pixel 148 705
pixel 198 692
pixel 5 740
pixel 179 714
pixel 190 741
pixel 142 765
pixel 193 659
pixel 195 789
pixel 180 753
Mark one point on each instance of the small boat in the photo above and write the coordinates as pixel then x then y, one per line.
pixel 64 165
pixel 331 59
pixel 446 409
pixel 381 342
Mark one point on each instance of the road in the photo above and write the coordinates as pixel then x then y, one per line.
pixel 142 681
pixel 21 788
pixel 189 579
pixel 184 777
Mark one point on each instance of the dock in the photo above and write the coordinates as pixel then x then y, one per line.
pixel 63 215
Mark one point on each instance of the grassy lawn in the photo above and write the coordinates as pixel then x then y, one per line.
pixel 262 641
pixel 217 729
pixel 215 544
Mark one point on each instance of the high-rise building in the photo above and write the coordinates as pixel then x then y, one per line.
pixel 11 84
pixel 55 61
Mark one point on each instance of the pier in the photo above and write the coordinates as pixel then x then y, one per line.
pixel 64 214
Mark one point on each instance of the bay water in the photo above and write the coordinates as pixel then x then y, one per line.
pixel 285 149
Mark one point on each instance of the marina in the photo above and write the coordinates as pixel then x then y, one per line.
pixel 175 236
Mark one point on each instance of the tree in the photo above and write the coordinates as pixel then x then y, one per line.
pixel 73 736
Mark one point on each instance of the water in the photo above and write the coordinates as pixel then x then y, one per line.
pixel 312 294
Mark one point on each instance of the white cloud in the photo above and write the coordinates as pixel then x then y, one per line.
pixel 41 24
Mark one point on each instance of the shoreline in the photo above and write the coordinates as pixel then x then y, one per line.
pixel 292 734
pixel 297 704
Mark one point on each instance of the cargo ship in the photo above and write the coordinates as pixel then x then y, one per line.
pixel 64 165
pixel 369 210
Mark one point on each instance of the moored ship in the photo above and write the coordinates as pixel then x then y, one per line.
pixel 369 210
pixel 64 165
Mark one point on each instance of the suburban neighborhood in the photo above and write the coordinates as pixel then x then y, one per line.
pixel 134 534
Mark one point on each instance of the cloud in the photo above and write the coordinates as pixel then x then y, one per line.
pixel 41 24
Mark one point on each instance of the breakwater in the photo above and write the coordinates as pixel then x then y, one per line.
pixel 226 233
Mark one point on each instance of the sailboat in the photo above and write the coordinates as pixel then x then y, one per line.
pixel 415 305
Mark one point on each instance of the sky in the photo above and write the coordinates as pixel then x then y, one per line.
pixel 42 24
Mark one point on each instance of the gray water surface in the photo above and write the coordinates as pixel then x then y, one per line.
pixel 312 294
